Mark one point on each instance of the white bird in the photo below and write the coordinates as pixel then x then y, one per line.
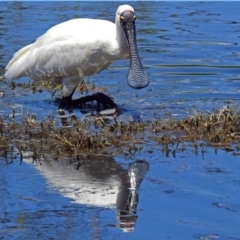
pixel 77 48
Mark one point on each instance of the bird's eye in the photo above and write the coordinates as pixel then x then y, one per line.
pixel 122 18
pixel 134 16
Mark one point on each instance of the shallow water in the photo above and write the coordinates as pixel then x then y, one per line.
pixel 191 52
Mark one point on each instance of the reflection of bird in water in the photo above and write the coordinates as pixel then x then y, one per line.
pixel 100 182
pixel 72 50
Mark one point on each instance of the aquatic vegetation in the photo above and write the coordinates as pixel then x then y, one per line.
pixel 93 136
pixel 97 135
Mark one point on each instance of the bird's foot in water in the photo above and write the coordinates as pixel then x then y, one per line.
pixel 103 101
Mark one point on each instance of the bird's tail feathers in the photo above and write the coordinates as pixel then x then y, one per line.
pixel 16 68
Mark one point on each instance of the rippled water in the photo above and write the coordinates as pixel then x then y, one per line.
pixel 191 52
pixel 189 49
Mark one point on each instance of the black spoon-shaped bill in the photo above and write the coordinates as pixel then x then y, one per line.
pixel 137 77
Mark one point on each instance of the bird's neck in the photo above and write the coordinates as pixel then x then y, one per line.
pixel 122 42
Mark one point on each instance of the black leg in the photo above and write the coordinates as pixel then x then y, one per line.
pixel 66 100
pixel 101 98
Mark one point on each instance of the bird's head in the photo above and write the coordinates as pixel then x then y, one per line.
pixel 137 77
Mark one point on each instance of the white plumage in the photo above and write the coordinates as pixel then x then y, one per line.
pixel 72 50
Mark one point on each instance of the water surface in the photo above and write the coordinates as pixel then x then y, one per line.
pixel 191 53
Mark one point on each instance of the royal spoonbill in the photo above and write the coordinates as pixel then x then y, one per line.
pixel 77 48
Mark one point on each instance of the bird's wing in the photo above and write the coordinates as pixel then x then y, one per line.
pixel 75 47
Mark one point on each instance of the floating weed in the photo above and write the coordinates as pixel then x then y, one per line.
pixel 93 136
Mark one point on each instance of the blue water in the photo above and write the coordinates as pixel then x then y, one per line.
pixel 191 53
pixel 191 196
pixel 189 49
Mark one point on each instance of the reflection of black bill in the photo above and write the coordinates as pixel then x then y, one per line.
pixel 136 172
pixel 128 215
